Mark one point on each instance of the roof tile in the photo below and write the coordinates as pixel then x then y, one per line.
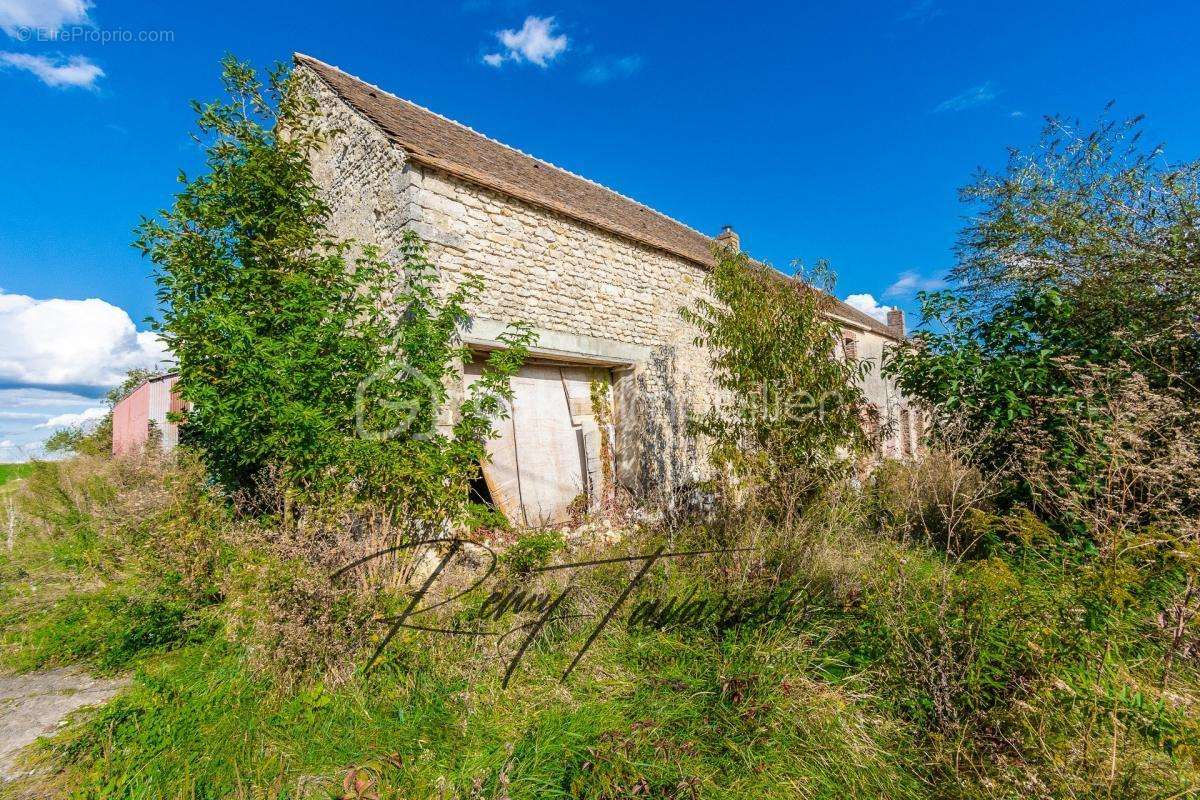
pixel 439 142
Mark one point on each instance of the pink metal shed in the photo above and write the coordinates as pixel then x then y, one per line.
pixel 148 404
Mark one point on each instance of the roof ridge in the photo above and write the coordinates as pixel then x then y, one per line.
pixel 354 91
pixel 518 151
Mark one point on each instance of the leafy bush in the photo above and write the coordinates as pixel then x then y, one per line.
pixel 533 549
pixel 789 418
pixel 304 357
pixel 1079 256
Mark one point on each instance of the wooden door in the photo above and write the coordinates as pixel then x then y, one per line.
pixel 537 464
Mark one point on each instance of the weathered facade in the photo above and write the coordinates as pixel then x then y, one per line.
pixel 600 277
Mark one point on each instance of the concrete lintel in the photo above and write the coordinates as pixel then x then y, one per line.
pixel 560 345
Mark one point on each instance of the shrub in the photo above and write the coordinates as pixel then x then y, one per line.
pixel 325 369
pixel 1081 254
pixel 533 549
pixel 789 417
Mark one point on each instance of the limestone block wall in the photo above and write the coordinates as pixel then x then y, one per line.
pixel 593 296
pixel 556 273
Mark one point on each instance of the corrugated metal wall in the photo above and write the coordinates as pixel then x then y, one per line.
pixel 149 403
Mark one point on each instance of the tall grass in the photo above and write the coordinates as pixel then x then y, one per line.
pixel 905 674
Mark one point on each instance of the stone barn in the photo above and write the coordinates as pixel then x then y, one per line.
pixel 600 276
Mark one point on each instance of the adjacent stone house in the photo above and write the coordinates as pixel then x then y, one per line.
pixel 600 276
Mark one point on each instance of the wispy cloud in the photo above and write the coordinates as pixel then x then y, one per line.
pixel 88 415
pixel 910 282
pixel 21 18
pixel 921 12
pixel 971 98
pixel 609 69
pixel 867 304
pixel 535 43
pixel 63 73
pixel 20 415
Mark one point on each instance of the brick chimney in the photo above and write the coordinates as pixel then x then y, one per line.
pixel 895 321
pixel 728 238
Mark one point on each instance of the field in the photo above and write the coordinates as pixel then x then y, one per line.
pixel 899 673
pixel 11 472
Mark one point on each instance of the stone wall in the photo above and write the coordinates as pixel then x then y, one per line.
pixel 594 297
pixel 893 409
pixel 615 302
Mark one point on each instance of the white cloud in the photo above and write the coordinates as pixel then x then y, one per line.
pixel 75 71
pixel 534 43
pixel 867 304
pixel 20 415
pixel 44 402
pixel 610 69
pixel 21 411
pixel 910 282
pixel 93 414
pixel 43 15
pixel 70 343
pixel 975 96
pixel 8 443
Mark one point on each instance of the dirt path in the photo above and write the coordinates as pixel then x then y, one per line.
pixel 36 704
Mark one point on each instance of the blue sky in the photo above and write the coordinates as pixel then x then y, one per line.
pixel 818 130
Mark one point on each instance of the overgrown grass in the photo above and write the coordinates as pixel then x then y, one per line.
pixel 902 674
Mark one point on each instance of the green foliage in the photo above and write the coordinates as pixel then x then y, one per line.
pixel 482 517
pixel 533 549
pixel 790 417
pixel 305 359
pixel 1112 226
pixel 902 674
pixel 991 369
pixel 86 593
pixel 1079 258
pixel 110 629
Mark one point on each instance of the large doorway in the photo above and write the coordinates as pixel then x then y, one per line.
pixel 547 459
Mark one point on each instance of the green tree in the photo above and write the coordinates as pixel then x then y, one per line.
pixel 302 355
pixel 790 416
pixel 1083 253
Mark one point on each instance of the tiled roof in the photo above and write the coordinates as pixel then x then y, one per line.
pixel 434 140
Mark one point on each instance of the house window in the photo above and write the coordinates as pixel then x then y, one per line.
pixel 850 347
pixel 906 448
